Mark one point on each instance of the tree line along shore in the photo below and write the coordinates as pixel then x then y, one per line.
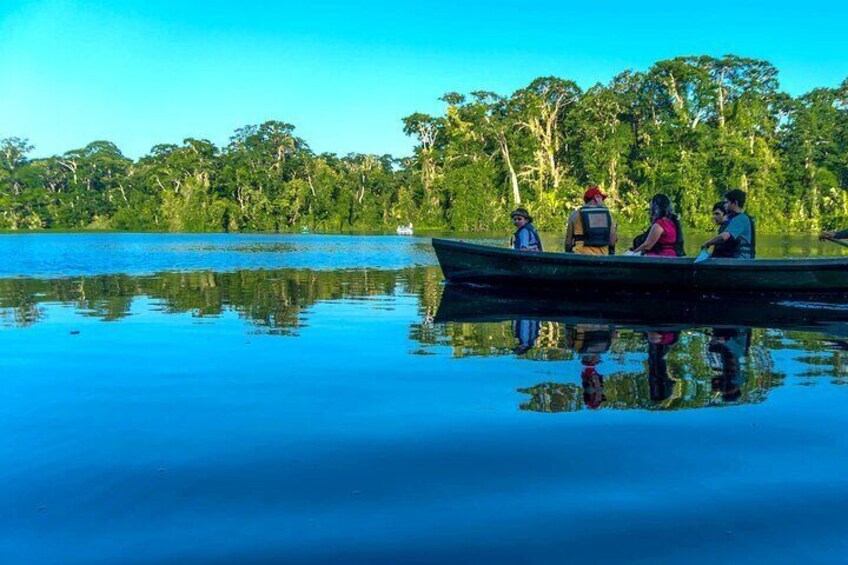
pixel 689 127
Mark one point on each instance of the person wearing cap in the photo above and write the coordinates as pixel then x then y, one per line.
pixel 525 238
pixel 591 229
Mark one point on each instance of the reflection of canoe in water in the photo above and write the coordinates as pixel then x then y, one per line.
pixel 470 263
pixel 648 311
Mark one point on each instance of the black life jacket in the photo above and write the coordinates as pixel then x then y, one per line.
pixel 597 226
pixel 753 244
pixel 723 249
pixel 738 248
pixel 677 246
pixel 535 242
pixel 640 239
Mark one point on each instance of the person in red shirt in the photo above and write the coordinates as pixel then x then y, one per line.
pixel 665 238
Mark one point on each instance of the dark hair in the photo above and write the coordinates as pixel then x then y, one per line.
pixel 737 196
pixel 661 208
pixel 523 213
pixel 662 204
pixel 719 206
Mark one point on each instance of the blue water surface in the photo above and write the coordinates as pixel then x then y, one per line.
pixel 197 399
pixel 58 255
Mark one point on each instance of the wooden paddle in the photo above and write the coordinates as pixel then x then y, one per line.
pixel 841 242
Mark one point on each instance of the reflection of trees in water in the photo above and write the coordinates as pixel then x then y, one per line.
pixel 274 299
pixel 25 314
pixel 553 397
pixel 824 358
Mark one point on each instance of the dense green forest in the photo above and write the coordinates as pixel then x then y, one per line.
pixel 692 127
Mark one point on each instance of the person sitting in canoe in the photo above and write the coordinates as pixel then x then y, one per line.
pixel 721 249
pixel 665 237
pixel 591 229
pixel 526 238
pixel 740 234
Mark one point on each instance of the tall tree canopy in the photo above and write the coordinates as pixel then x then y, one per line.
pixel 691 127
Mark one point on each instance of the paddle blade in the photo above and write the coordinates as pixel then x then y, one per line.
pixel 702 256
pixel 838 242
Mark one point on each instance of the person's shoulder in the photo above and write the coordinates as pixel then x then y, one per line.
pixel 742 218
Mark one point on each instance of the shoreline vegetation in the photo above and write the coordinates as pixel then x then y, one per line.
pixel 690 127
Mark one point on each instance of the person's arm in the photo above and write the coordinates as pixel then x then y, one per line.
pixel 723 236
pixel 569 235
pixel 654 235
pixel 524 240
pixel 613 238
pixel 732 231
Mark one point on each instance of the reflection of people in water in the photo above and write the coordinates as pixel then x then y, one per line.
pixel 526 332
pixel 730 345
pixel 660 384
pixel 590 341
pixel 592 381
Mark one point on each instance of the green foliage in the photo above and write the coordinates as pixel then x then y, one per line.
pixel 691 127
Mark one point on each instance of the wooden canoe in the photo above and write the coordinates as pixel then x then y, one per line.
pixel 463 262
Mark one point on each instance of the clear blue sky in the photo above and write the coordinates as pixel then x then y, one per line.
pixel 143 72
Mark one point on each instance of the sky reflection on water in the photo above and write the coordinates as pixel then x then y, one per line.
pixel 341 415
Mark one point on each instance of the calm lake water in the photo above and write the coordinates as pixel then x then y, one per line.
pixel 239 398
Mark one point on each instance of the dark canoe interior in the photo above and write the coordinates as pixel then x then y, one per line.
pixel 472 263
pixel 648 311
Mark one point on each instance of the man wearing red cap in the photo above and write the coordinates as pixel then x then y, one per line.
pixel 591 229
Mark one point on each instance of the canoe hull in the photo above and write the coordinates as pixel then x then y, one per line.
pixel 648 311
pixel 563 272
